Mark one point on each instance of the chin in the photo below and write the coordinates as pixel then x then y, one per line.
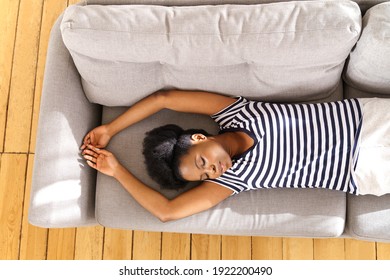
pixel 228 163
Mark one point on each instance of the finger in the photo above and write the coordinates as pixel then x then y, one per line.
pixel 92 138
pixel 90 158
pixel 87 138
pixel 93 148
pixel 91 164
pixel 99 151
pixel 105 153
pixel 89 152
pixel 85 141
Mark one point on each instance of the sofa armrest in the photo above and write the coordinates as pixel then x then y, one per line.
pixel 63 186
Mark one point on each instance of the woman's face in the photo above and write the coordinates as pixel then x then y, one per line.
pixel 206 159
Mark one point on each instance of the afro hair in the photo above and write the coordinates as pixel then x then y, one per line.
pixel 163 148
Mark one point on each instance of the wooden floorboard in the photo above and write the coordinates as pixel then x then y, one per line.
pixel 21 96
pixel 298 249
pixel 147 245
pixel 206 247
pixel 236 248
pixel 89 243
pixel 9 11
pixel 118 244
pixel 329 249
pixel 176 246
pixel 61 244
pixel 25 29
pixel 267 248
pixel 33 239
pixel 360 250
pixel 12 183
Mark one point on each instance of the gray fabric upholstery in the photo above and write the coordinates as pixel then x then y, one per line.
pixel 264 212
pixel 369 64
pixel 280 212
pixel 351 92
pixel 364 4
pixel 369 217
pixel 278 52
pixel 63 191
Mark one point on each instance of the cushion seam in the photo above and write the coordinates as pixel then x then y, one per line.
pixel 211 34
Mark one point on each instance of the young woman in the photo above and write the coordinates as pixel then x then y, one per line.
pixel 260 145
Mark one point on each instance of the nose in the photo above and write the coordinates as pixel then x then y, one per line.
pixel 212 169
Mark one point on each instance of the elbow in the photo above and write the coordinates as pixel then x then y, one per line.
pixel 164 218
pixel 161 97
pixel 166 214
pixel 166 99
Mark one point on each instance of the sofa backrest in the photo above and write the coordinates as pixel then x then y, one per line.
pixel 291 51
pixel 363 4
pixel 368 69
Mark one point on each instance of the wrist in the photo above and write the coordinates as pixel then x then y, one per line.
pixel 119 170
pixel 110 129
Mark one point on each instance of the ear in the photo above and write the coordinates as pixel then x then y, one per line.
pixel 198 137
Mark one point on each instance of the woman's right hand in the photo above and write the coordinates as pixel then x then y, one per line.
pixel 97 137
pixel 101 160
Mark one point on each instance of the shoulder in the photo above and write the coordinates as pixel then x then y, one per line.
pixel 203 196
pixel 239 113
pixel 214 190
pixel 235 103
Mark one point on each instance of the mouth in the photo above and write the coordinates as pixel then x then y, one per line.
pixel 222 168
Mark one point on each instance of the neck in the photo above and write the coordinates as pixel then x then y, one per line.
pixel 234 143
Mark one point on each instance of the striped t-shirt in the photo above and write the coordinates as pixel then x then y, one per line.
pixel 295 145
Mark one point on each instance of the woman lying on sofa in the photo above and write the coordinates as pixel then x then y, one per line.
pixel 260 145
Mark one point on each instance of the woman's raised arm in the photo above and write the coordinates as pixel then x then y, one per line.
pixel 188 203
pixel 181 101
pixel 199 102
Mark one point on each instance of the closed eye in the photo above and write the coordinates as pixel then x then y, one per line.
pixel 203 164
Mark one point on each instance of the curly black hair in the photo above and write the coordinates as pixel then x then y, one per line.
pixel 163 148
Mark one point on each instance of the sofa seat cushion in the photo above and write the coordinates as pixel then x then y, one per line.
pixel 279 212
pixel 291 51
pixel 369 65
pixel 369 217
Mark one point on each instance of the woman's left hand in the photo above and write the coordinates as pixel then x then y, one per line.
pixel 101 160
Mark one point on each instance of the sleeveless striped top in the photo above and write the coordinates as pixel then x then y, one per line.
pixel 295 145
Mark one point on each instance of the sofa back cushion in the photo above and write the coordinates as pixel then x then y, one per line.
pixel 369 65
pixel 281 52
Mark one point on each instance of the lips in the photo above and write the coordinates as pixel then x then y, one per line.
pixel 222 168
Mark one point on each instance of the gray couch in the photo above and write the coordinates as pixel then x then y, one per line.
pixel 103 58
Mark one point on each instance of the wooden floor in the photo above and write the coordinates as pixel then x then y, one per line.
pixel 24 33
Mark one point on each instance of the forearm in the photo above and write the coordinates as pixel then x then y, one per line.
pixel 177 100
pixel 186 204
pixel 139 111
pixel 151 200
